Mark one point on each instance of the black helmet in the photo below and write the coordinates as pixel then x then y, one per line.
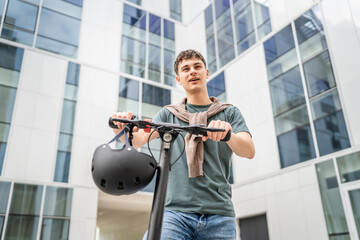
pixel 121 171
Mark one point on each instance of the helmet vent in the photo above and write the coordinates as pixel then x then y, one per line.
pixel 103 183
pixel 152 165
pixel 120 185
pixel 137 180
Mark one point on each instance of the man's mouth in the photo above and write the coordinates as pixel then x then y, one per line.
pixel 194 79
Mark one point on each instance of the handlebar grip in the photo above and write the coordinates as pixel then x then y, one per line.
pixel 227 137
pixel 111 123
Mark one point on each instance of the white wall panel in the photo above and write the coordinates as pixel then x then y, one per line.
pixel 100 34
pixel 338 20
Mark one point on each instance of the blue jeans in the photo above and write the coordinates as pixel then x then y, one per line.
pixel 189 226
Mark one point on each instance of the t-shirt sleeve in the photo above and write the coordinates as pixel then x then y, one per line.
pixel 236 119
pixel 161 116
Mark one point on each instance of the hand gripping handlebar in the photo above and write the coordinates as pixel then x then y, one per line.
pixel 161 126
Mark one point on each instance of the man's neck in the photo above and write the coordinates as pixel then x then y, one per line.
pixel 198 99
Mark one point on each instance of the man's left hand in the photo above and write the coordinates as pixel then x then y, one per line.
pixel 217 136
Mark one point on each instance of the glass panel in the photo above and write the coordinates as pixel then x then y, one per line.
pixel 133 56
pixel 309 24
pixel 289 120
pixel 2 154
pixel 282 64
pixel 57 31
pixel 286 91
pixel 349 167
pixel 154 63
pixel 2 5
pixel 262 17
pixel 155 30
pixel 155 95
pixel 8 77
pixel 175 9
pixel 65 7
pixel 22 227
pixel 4 131
pixel 221 6
pixel 208 15
pixel 4 196
pixel 138 2
pixel 1 218
pixel 11 57
pixel 149 110
pixel 7 100
pixel 216 86
pixel 169 30
pixel 244 29
pixel 26 199
pixel 55 229
pixel 20 22
pixel 134 17
pixel 331 200
pixel 129 88
pixel 58 202
pixel 319 74
pixel 279 44
pixel 226 45
pixel 169 59
pixel 68 116
pixel 331 133
pixel 326 104
pixel 73 73
pixel 355 204
pixel 128 105
pixel 296 146
pixel 62 166
pixel 65 142
pixel 254 227
pixel 70 92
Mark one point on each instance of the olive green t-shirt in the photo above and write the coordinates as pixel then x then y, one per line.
pixel 210 194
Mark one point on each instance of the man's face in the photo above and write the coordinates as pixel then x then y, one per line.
pixel 192 75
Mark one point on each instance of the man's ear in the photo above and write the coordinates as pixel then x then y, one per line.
pixel 178 80
pixel 207 73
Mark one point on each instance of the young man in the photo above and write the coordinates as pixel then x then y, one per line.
pixel 198 202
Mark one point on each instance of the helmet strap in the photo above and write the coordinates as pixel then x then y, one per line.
pixel 125 131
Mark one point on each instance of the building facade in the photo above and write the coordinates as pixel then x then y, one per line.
pixel 292 67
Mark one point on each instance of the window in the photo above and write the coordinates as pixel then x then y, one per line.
pixel 138 2
pixel 129 96
pixel 254 228
pixel 24 216
pixel 349 167
pixel 224 31
pixel 292 122
pixel 4 197
pixel 147 46
pixel 216 87
pixel 62 166
pixel 58 28
pixel 329 123
pixel 133 41
pixel 262 17
pixel 220 18
pixel 355 204
pixel 175 10
pixel 57 212
pixel 153 99
pixel 24 212
pixel 169 52
pixel 10 65
pixel 245 33
pixel 332 204
pixel 210 40
pixel 20 21
pixel 293 112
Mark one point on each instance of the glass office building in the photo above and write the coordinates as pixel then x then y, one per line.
pixel 292 68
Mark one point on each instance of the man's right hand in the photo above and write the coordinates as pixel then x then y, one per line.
pixel 120 125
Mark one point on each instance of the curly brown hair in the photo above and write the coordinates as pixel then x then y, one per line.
pixel 187 54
